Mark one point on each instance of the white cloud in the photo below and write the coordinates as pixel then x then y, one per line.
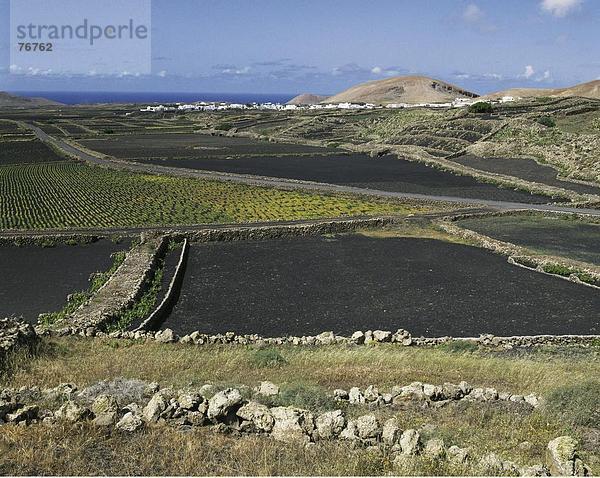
pixel 376 70
pixel 472 13
pixel 236 71
pixel 546 76
pixel 528 73
pixel 560 8
pixel 162 73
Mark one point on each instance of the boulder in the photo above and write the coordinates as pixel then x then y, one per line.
pixel 355 396
pixel 330 424
pixel 223 403
pixel 492 465
pixel 532 400
pixel 130 423
pixel 106 409
pixel 257 416
pixel 292 425
pixel 371 393
pixel 73 412
pixel 189 401
pixel 155 407
pixel 340 394
pixel 267 389
pixel 410 441
pixel 562 459
pixel 350 432
pixel 432 392
pixel 23 414
pixel 165 336
pixel 326 338
pixel 358 338
pixel 457 455
pixel 382 336
pixel 391 432
pixel 414 391
pixel 367 427
pixel 452 391
pixel 435 449
pixel 535 470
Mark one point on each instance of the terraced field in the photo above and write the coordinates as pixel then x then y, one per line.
pixel 177 145
pixel 305 286
pixel 29 151
pixel 37 279
pixel 73 195
pixel 554 235
pixel 526 169
pixel 386 173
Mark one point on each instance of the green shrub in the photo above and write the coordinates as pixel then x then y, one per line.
pixel 578 405
pixel 558 270
pixel 108 131
pixel 224 126
pixel 459 346
pixel 481 107
pixel 547 121
pixel 307 397
pixel 270 357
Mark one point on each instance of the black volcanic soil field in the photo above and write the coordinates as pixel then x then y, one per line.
pixel 38 279
pixel 304 286
pixel 386 173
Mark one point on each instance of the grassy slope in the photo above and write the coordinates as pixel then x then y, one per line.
pixel 308 374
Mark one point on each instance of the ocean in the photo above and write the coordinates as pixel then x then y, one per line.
pixel 91 97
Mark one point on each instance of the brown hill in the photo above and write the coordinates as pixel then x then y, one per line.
pixel 402 89
pixel 8 100
pixel 307 99
pixel 590 89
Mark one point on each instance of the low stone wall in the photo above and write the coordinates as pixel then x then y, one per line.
pixel 159 314
pixel 14 334
pixel 122 289
pixel 521 256
pixel 401 338
pixel 244 233
pixel 228 411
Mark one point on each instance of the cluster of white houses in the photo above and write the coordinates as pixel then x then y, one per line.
pixel 220 106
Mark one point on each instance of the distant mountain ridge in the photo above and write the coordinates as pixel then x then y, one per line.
pixel 8 100
pixel 402 89
pixel 307 99
pixel 591 89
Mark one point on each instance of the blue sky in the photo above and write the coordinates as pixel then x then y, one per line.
pixel 324 46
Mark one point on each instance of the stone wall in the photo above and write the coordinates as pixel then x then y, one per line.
pixel 123 288
pixel 14 334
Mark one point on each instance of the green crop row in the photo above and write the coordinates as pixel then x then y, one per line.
pixel 73 195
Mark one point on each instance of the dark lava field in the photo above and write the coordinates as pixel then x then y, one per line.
pixel 387 173
pixel 304 286
pixel 38 279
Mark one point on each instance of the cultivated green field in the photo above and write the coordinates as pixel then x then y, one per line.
pixel 73 195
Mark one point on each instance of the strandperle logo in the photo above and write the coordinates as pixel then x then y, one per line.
pixel 80 37
pixel 84 31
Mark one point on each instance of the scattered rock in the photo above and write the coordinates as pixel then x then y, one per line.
pixel 165 336
pixel 340 394
pixel 391 432
pixel 23 415
pixel 367 427
pixel 257 416
pixel 562 459
pixel 457 455
pixel 292 425
pixel 72 412
pixel 267 389
pixel 410 441
pixel 357 338
pixel 155 407
pixel 435 449
pixel 329 425
pixel 382 336
pixel 130 423
pixel 355 396
pixel 224 402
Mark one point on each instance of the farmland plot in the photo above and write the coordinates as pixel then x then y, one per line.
pixel 309 285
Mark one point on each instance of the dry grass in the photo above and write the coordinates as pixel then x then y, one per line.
pixel 85 361
pixel 494 426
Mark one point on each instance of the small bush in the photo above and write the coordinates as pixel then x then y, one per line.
pixel 547 121
pixel 481 107
pixel 264 358
pixel 459 346
pixel 578 405
pixel 558 270
pixel 310 398
pixel 109 131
